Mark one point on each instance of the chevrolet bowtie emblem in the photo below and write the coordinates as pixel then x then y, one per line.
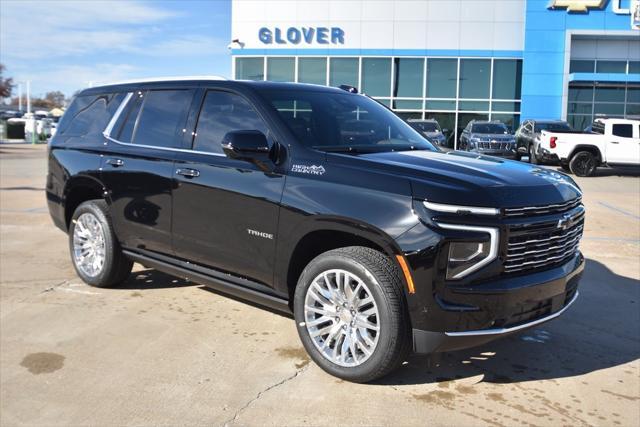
pixel 577 5
pixel 565 222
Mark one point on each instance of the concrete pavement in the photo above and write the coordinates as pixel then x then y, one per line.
pixel 162 351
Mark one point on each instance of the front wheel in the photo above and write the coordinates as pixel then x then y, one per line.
pixel 95 251
pixel 351 315
pixel 583 164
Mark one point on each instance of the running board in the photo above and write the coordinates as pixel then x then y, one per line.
pixel 272 301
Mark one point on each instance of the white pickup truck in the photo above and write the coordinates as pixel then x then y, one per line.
pixel 611 142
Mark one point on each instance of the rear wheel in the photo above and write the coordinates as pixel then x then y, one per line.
pixel 583 163
pixel 95 251
pixel 350 312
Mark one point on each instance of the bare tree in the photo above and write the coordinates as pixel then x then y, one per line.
pixel 6 85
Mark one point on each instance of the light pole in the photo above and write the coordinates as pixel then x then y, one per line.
pixel 20 97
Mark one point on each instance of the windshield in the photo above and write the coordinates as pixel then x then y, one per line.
pixel 492 128
pixel 344 122
pixel 425 126
pixel 552 127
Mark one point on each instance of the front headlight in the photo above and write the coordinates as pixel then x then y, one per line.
pixel 469 256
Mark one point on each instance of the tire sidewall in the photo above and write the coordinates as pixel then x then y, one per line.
pixel 577 158
pixel 93 208
pixel 388 326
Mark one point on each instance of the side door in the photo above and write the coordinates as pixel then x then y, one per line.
pixel 623 146
pixel 137 167
pixel 225 211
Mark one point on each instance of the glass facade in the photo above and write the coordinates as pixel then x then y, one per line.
pixel 588 100
pixel 450 90
pixel 603 66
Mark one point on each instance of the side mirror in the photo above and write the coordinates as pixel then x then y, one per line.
pixel 248 145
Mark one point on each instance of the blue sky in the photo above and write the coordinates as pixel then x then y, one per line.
pixel 65 45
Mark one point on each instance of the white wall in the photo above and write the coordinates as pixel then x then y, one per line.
pixel 388 24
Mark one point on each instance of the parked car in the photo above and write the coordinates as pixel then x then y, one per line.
pixel 10 114
pixel 611 142
pixel 431 130
pixel 488 137
pixel 528 138
pixel 378 245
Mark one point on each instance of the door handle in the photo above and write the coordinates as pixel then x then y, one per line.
pixel 614 142
pixel 116 163
pixel 189 173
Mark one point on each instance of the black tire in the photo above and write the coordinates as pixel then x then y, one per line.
pixel 583 163
pixel 117 266
pixel 532 155
pixel 565 167
pixel 383 279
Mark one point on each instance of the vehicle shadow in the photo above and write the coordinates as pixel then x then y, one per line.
pixel 601 330
pixel 153 279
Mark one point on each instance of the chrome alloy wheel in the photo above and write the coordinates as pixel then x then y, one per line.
pixel 89 244
pixel 342 318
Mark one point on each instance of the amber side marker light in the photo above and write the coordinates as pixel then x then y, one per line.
pixel 407 274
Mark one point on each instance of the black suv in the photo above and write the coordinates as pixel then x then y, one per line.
pixel 489 138
pixel 317 201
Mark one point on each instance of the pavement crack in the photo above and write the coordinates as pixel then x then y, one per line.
pixel 261 393
pixel 53 287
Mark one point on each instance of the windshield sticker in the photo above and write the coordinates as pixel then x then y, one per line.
pixel 311 170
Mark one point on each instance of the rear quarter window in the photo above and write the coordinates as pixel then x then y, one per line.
pixel 89 114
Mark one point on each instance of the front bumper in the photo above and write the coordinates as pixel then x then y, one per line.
pixel 510 308
pixel 547 156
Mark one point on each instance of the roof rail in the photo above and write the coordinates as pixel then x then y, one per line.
pixel 161 79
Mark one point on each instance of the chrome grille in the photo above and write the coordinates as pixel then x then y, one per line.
pixel 543 210
pixel 542 245
pixel 494 145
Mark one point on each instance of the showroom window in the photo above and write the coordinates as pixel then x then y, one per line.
pixel 589 100
pixel 281 69
pixel 582 66
pixel 507 79
pixel 441 78
pixel 376 76
pixel 453 89
pixel 343 71
pixel 250 68
pixel 312 70
pixel 475 76
pixel 611 67
pixel 408 77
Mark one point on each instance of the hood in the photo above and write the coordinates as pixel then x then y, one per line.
pixel 470 179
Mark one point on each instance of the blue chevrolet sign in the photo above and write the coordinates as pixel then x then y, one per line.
pixel 305 35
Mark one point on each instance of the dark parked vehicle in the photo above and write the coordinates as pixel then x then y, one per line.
pixel 431 130
pixel 317 201
pixel 489 138
pixel 528 139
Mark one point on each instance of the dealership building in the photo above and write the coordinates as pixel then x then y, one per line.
pixel 453 60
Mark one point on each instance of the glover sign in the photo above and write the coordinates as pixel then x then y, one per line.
pixel 305 35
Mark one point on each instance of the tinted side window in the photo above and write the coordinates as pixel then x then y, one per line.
pixel 625 131
pixel 129 117
pixel 224 112
pixel 163 114
pixel 89 114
